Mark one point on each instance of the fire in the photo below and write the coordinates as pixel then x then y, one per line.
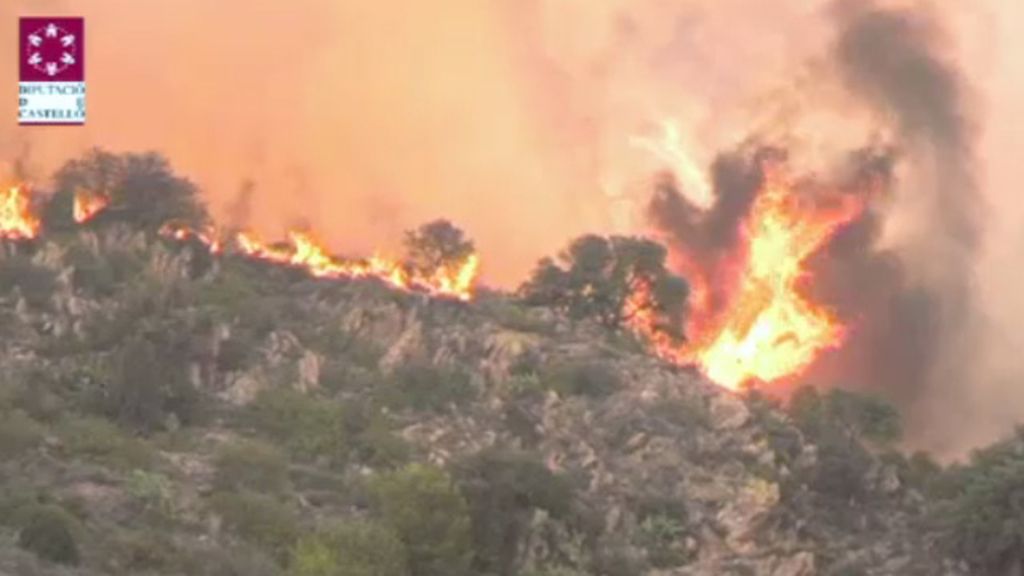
pixel 180 232
pixel 88 205
pixel 768 330
pixel 306 252
pixel 16 219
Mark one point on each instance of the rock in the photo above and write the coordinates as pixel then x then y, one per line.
pixel 801 564
pixel 309 372
pixel 243 389
pixel 728 412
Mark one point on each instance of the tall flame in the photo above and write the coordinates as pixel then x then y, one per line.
pixel 16 219
pixel 87 205
pixel 768 330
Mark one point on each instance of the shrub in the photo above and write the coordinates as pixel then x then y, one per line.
pixel 37 284
pixel 49 532
pixel 18 433
pixel 258 519
pixel 593 378
pixel 152 491
pixel 420 385
pixel 310 428
pixel 351 549
pixel 435 246
pixel 864 416
pixel 254 466
pixel 504 488
pixel 421 504
pixel 99 440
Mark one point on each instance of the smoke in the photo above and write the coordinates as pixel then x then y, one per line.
pixel 518 119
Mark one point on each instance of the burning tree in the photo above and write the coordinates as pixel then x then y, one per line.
pixel 140 189
pixel 435 246
pixel 612 280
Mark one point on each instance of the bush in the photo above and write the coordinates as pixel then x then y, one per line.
pixel 254 466
pixel 18 434
pixel 309 427
pixel 421 504
pixel 258 519
pixel 865 417
pixel 49 532
pixel 419 385
pixel 351 549
pixel 504 488
pixel 36 284
pixel 593 378
pixel 99 440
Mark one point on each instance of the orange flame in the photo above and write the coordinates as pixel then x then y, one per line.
pixel 305 252
pixel 180 232
pixel 88 205
pixel 769 330
pixel 16 219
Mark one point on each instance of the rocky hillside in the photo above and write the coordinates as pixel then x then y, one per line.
pixel 166 411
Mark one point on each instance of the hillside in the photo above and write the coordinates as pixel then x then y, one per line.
pixel 171 411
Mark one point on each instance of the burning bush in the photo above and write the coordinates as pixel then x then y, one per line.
pixel 614 281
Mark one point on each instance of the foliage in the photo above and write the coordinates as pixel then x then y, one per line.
pixel 49 532
pixel 150 382
pixel 420 385
pixel 250 465
pixel 350 549
pixel 596 276
pixel 261 520
pixel 436 245
pixel 310 428
pixel 581 377
pixel 99 440
pixel 424 508
pixel 504 488
pixel 142 188
pixel 866 417
pixel 35 283
pixel 18 434
pixel 982 515
pixel 152 491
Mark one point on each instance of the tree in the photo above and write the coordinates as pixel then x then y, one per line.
pixel 424 508
pixel 48 532
pixel 611 280
pixel 982 514
pixel 142 189
pixel 435 246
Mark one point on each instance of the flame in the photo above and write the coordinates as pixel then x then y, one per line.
pixel 768 330
pixel 306 252
pixel 87 205
pixel 181 233
pixel 16 219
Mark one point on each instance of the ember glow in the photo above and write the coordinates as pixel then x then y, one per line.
pixel 16 219
pixel 306 252
pixel 88 205
pixel 768 330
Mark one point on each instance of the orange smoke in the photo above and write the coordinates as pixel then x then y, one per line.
pixel 88 205
pixel 769 330
pixel 16 219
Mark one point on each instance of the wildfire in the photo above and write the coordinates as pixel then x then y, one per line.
pixel 87 205
pixel 16 219
pixel 768 330
pixel 305 252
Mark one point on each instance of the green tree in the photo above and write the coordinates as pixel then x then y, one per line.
pixel 427 512
pixel 610 280
pixel 981 515
pixel 436 245
pixel 250 465
pixel 142 188
pixel 350 549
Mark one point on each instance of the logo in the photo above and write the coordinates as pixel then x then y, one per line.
pixel 52 71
